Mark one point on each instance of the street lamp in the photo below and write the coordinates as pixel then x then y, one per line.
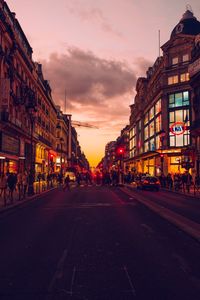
pixel 162 138
pixel 61 151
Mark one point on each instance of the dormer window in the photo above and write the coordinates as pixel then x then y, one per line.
pixel 175 60
pixel 185 58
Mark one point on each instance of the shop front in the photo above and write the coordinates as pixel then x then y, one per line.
pixel 9 153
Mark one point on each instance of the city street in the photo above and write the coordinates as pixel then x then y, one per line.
pixel 98 243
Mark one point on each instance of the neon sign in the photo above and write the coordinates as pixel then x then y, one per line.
pixel 178 128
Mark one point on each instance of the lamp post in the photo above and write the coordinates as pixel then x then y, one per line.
pixel 162 137
pixel 61 151
pixel 120 153
pixel 29 99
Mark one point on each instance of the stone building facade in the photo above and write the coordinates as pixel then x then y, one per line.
pixel 162 113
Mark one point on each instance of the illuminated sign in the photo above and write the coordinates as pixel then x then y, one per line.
pixel 178 128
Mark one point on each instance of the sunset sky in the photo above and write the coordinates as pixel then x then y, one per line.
pixel 95 50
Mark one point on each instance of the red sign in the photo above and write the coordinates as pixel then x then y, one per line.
pixel 178 128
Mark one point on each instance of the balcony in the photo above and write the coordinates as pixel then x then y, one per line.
pixel 45 141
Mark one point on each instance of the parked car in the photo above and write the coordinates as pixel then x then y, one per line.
pixel 148 182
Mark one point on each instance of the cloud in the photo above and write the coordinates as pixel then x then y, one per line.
pixel 94 15
pixel 97 88
pixel 142 64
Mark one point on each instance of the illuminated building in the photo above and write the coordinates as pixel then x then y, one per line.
pixel 194 71
pixel 161 115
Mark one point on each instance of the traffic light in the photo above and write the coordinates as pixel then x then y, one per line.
pixel 120 151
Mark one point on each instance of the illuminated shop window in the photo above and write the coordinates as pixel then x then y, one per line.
pixel 173 79
pixel 181 116
pixel 184 77
pixel 179 99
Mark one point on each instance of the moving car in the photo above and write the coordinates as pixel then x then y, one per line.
pixel 148 182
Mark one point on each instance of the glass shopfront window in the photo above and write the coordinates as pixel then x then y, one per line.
pixel 181 115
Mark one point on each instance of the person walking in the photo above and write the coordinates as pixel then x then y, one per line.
pixel 3 187
pixel 11 181
pixel 19 185
pixel 24 184
pixel 66 184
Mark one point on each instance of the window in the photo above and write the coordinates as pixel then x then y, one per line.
pixel 151 128
pixel 158 106
pixel 146 132
pixel 146 146
pixel 152 145
pixel 175 60
pixel 173 79
pixel 158 124
pixel 179 99
pixel 180 115
pixel 184 77
pixel 146 118
pixel 185 57
pixel 151 113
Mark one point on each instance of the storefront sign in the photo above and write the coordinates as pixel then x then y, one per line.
pixel 9 144
pixel 194 67
pixel 178 128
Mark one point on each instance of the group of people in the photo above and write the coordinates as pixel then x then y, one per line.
pixel 180 181
pixel 10 182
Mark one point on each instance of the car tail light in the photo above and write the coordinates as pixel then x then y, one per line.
pixel 145 181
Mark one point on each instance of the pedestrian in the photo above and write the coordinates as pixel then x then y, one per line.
pixel 11 181
pixel 66 184
pixel 24 184
pixel 3 187
pixel 19 185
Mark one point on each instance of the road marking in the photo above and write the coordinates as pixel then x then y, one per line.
pixel 72 281
pixel 188 226
pixel 59 270
pixel 147 228
pixel 130 281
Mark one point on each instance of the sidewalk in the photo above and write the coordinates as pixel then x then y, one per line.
pixel 39 188
pixel 194 192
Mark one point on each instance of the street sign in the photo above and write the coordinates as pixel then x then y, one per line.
pixel 178 128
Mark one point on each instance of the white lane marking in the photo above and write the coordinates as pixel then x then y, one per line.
pixel 130 281
pixel 72 281
pixel 59 270
pixel 147 228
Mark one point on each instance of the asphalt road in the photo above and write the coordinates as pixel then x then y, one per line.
pixel 95 243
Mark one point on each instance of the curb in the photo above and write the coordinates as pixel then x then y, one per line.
pixel 17 203
pixel 190 227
